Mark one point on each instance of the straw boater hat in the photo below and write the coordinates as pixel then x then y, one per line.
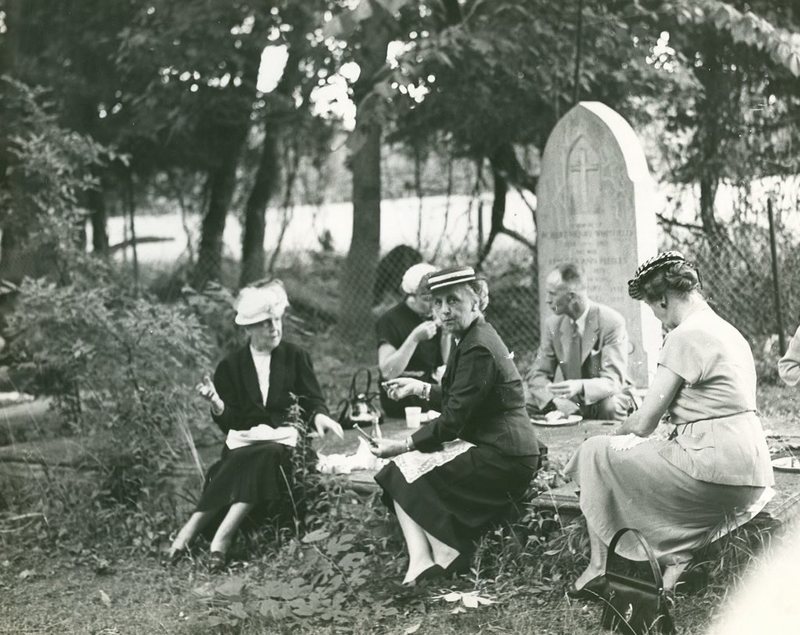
pixel 413 277
pixel 256 304
pixel 650 266
pixel 449 277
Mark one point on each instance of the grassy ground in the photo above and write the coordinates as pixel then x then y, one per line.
pixel 59 580
pixel 108 590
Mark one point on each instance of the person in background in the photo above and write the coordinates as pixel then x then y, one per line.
pixel 588 342
pixel 789 364
pixel 250 398
pixel 713 473
pixel 386 290
pixel 410 341
pixel 463 471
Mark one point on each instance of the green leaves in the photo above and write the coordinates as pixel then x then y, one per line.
pixel 781 45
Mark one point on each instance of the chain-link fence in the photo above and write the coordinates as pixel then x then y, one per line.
pixel 305 247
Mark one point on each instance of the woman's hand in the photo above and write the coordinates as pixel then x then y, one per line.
pixel 425 331
pixel 323 424
pixel 386 448
pixel 403 387
pixel 207 390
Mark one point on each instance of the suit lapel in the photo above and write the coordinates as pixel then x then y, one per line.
pixel 590 332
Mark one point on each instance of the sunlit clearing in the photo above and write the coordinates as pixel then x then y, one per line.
pixel 245 28
pixel 395 50
pixel 350 71
pixel 332 102
pixel 662 55
pixel 273 63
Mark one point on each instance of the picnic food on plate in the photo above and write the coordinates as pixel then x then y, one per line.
pixel 554 415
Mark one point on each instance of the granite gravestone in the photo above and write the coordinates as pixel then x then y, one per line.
pixel 597 208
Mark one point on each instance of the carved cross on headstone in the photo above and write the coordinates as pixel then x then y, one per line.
pixel 582 162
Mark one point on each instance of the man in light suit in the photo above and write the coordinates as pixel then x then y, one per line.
pixel 588 342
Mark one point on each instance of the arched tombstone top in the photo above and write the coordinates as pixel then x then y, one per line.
pixel 596 207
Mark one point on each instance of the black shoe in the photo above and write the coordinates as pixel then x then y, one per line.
pixel 171 558
pixel 434 571
pixel 217 561
pixel 594 589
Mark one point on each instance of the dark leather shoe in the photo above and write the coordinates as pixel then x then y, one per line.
pixel 434 571
pixel 171 558
pixel 217 561
pixel 594 589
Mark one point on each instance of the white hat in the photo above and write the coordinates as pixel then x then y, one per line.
pixel 414 275
pixel 256 304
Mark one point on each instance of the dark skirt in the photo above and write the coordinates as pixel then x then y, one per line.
pixel 259 474
pixel 456 502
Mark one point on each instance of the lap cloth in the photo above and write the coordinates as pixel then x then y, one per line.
pixel 455 494
pixel 259 474
pixel 629 484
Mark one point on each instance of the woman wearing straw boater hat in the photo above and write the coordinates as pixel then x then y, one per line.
pixel 713 472
pixel 410 341
pixel 455 476
pixel 250 397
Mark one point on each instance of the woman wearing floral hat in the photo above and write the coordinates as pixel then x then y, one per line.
pixel 250 397
pixel 713 473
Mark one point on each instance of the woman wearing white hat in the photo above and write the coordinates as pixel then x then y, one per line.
pixel 250 397
pixel 410 341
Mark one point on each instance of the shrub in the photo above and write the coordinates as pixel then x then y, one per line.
pixel 121 369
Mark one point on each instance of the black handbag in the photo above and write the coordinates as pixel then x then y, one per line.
pixel 357 409
pixel 634 606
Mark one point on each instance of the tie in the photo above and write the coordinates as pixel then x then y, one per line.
pixel 572 369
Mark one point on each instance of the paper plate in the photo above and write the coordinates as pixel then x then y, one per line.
pixel 571 420
pixel 787 464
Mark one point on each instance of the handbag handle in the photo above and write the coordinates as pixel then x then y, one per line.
pixel 651 556
pixel 353 390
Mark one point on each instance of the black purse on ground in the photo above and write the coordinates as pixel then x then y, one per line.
pixel 357 409
pixel 634 606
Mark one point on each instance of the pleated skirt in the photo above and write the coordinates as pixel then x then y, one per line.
pixel 457 501
pixel 258 474
pixel 638 488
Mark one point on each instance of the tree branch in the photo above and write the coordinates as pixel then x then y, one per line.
pixel 676 223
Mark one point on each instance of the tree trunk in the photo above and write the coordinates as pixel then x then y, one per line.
pixel 9 43
pixel 98 216
pixel 221 184
pixel 708 192
pixel 9 244
pixel 498 213
pixel 255 223
pixel 362 258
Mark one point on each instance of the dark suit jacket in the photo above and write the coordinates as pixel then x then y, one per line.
pixel 604 368
pixel 290 370
pixel 481 398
